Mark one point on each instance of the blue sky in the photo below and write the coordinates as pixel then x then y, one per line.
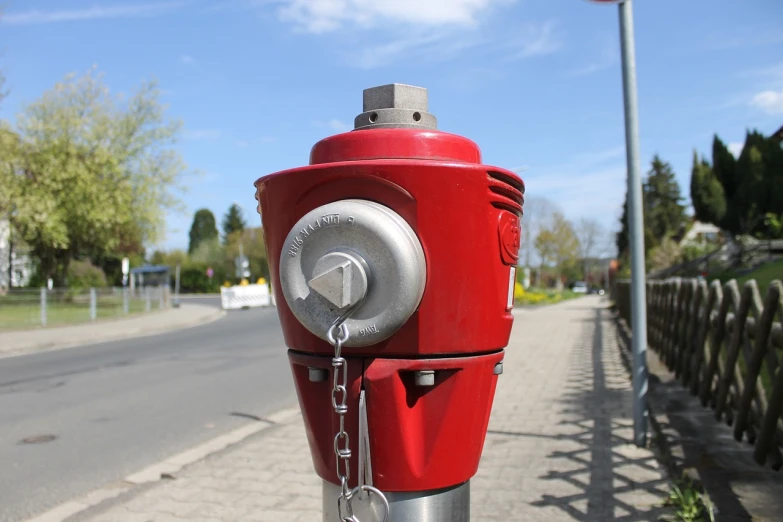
pixel 535 84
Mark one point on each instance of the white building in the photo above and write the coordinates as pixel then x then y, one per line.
pixel 701 234
pixel 21 268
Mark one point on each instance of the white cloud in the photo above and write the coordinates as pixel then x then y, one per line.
pixel 535 40
pixel 735 147
pixel 202 134
pixel 591 185
pixel 595 193
pixel 320 16
pixel 187 59
pixel 437 47
pixel 242 144
pixel 769 101
pixel 267 139
pixel 37 16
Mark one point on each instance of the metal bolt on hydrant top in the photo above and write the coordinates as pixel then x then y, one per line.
pixel 393 259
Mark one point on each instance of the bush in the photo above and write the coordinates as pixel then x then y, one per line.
pixel 193 278
pixel 83 275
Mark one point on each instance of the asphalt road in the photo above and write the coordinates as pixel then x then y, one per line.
pixel 115 408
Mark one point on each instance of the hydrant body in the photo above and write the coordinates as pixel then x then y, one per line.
pixel 429 378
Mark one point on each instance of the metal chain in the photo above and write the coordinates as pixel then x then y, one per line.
pixel 337 335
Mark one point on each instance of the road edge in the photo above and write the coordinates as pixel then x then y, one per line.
pixel 163 469
pixel 44 348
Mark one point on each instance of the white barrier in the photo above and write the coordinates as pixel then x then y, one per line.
pixel 249 296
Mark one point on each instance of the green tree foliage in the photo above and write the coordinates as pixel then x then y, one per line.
pixel 749 186
pixel 202 231
pixel 664 213
pixel 90 175
pixel 623 239
pixel 83 274
pixel 707 195
pixel 252 240
pixel 557 243
pixel 233 221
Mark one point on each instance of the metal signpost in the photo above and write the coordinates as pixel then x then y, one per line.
pixel 635 222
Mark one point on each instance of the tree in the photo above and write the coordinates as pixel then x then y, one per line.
pixel 89 172
pixel 707 195
pixel 664 255
pixel 664 213
pixel 538 214
pixel 233 221
pixel 557 243
pixel 202 231
pixel 588 232
pixel 252 240
pixel 741 192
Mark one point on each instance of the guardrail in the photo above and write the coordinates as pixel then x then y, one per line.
pixel 26 308
pixel 726 346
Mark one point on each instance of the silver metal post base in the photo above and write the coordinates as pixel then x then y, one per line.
pixel 440 505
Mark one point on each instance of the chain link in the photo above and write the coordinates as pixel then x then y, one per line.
pixel 337 335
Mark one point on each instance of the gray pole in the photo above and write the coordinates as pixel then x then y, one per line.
pixel 43 306
pixel 176 287
pixel 636 222
pixel 93 304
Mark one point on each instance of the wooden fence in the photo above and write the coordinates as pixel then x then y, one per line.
pixel 726 345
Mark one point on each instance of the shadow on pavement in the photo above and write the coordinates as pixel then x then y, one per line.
pixel 597 404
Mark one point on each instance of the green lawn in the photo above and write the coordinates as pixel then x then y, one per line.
pixel 23 315
pixel 764 275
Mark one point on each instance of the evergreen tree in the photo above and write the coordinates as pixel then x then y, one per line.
pixel 233 222
pixel 664 213
pixel 724 166
pixel 623 236
pixel 750 199
pixel 709 200
pixel 203 229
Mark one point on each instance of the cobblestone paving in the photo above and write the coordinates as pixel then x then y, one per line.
pixel 559 445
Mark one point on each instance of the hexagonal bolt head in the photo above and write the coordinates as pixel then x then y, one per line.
pixel 395 96
pixel 498 368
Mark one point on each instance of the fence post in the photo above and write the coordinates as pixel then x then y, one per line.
pixel 93 303
pixel 125 303
pixel 148 298
pixel 43 306
pixel 160 297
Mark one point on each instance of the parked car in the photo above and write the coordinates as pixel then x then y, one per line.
pixel 596 291
pixel 579 287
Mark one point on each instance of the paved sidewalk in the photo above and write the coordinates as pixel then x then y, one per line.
pixel 558 449
pixel 46 339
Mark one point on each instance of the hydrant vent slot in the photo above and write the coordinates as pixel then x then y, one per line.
pixel 506 193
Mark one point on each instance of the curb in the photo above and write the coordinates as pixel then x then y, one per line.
pixel 51 347
pixel 163 469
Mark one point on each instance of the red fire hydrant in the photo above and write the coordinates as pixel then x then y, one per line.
pixel 393 260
